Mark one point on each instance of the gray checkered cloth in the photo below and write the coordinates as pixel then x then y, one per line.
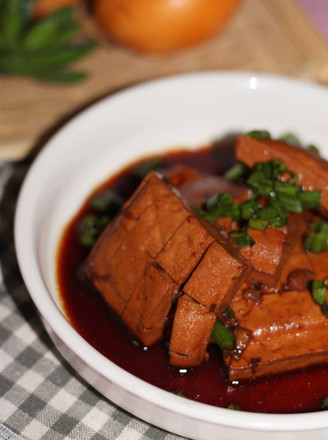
pixel 41 397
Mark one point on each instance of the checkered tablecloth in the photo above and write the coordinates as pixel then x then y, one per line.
pixel 41 396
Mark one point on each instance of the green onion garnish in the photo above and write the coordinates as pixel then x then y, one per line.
pixel 242 239
pixel 204 214
pixel 291 139
pixel 310 199
pixel 222 335
pixel 90 227
pixel 228 313
pixel 234 406
pixel 235 172
pixel 222 205
pixel 106 200
pixel 144 168
pixel 257 223
pixel 318 290
pixel 324 404
pixel 318 240
pixel 324 309
pixel 314 149
pixel 259 134
pixel 249 209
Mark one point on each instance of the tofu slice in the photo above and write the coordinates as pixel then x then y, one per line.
pixel 312 170
pixel 288 331
pixel 191 333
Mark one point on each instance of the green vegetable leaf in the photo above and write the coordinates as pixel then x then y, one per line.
pixel 42 49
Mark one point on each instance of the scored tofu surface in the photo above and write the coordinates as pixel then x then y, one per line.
pixel 142 260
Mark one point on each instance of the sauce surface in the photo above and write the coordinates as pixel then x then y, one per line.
pixel 292 392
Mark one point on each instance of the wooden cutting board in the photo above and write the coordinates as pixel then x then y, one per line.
pixel 264 36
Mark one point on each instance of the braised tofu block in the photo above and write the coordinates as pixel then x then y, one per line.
pixel 266 254
pixel 287 331
pixel 312 170
pixel 272 249
pixel 144 257
pixel 191 333
pixel 217 277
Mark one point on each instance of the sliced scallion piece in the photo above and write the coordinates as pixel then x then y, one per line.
pixel 257 223
pixel 310 199
pixel 204 214
pixel 291 139
pixel 222 205
pixel 318 290
pixel 222 335
pixel 242 238
pixel 234 406
pixel 259 134
pixel 324 309
pixel 324 404
pixel 249 209
pixel 144 168
pixel 106 200
pixel 235 172
pixel 318 240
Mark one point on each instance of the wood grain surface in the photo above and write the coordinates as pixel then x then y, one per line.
pixel 264 36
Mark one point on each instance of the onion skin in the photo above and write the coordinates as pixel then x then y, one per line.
pixel 162 25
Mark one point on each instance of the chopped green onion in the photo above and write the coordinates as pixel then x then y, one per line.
pixel 204 214
pixel 318 290
pixel 315 243
pixel 286 188
pixel 228 313
pixel 249 209
pixel 222 335
pixel 291 139
pixel 318 240
pixel 324 309
pixel 257 223
pixel 324 404
pixel 290 203
pixel 320 227
pixel 90 227
pixel 235 172
pixel 106 200
pixel 259 134
pixel 144 168
pixel 234 406
pixel 242 239
pixel 314 149
pixel 310 199
pixel 222 205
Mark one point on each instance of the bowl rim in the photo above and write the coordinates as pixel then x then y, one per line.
pixel 49 311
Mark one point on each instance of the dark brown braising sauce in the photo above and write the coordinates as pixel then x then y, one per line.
pixel 299 391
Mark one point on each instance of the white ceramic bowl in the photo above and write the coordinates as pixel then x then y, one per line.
pixel 187 110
